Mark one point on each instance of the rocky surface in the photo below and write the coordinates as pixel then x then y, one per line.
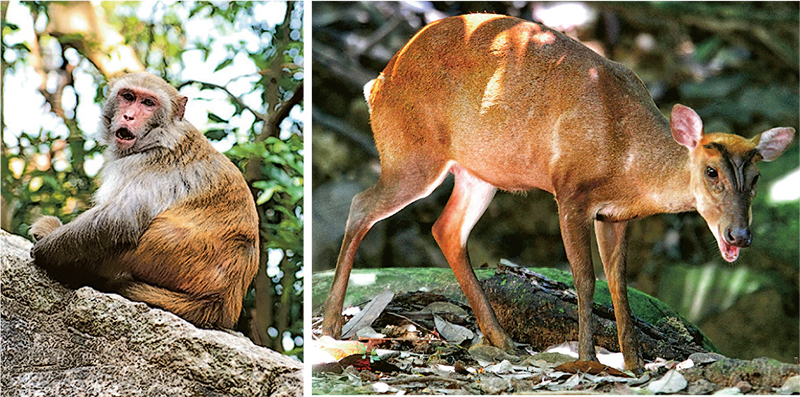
pixel 60 342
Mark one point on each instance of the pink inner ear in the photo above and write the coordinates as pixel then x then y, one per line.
pixel 687 128
pixel 774 142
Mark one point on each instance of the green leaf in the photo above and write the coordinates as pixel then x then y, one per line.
pixel 224 64
pixel 265 196
pixel 213 117
pixel 216 134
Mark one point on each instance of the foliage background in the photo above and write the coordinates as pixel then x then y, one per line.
pixel 241 65
pixel 735 63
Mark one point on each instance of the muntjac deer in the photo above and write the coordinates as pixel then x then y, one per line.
pixel 503 103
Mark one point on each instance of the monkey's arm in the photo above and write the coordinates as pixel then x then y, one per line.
pixel 90 238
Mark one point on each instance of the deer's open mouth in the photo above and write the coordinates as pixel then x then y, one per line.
pixel 729 252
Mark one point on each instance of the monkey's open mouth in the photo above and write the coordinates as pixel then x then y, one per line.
pixel 124 134
pixel 125 138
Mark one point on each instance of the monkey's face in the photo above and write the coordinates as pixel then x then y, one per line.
pixel 137 109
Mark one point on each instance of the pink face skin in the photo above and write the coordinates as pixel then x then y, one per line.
pixel 135 109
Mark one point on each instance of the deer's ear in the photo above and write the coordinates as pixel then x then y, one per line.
pixel 686 126
pixel 772 143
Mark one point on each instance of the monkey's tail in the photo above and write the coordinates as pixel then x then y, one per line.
pixel 205 311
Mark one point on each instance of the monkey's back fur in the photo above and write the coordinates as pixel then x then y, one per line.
pixel 213 251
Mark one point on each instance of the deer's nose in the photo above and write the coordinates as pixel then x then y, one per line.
pixel 738 236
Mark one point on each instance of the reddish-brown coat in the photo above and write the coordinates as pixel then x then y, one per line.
pixel 509 104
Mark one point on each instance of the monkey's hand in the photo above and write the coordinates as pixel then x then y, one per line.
pixel 44 226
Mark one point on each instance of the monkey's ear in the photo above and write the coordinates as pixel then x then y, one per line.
pixel 180 107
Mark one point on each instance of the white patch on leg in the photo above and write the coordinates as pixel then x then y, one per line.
pixel 480 195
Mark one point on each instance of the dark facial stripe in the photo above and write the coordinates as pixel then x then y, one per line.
pixel 736 164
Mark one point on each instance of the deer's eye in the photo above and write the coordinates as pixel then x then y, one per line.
pixel 711 173
pixel 755 180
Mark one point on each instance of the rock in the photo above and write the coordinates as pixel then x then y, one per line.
pixel 791 386
pixel 728 391
pixel 57 341
pixel 744 386
pixel 761 374
pixel 490 354
pixel 494 385
pixel 539 307
pixel 548 359
pixel 701 386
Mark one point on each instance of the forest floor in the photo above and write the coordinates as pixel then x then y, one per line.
pixel 426 343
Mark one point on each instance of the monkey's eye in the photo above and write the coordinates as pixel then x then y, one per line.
pixel 128 96
pixel 711 173
pixel 148 102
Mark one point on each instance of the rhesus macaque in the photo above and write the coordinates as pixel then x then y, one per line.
pixel 174 224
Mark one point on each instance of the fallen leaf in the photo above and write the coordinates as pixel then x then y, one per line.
pixel 504 367
pixel 460 369
pixel 339 349
pixel 446 369
pixel 557 375
pixel 705 358
pixel 362 362
pixel 566 348
pixel 623 389
pixel 351 311
pixel 371 311
pixel 641 380
pixel 671 382
pixel 353 375
pixel 614 360
pixel 315 355
pixel 607 378
pixel 569 384
pixel 451 332
pixel 380 387
pixel 446 307
pixel 791 386
pixel 589 367
pixel 686 364
pixel 369 333
pixel 659 363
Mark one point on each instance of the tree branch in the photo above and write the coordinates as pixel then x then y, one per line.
pixel 261 116
pixel 281 113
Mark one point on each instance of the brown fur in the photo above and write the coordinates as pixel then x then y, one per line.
pixel 503 103
pixel 44 226
pixel 174 224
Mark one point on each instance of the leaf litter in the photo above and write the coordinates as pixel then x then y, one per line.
pixel 421 343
